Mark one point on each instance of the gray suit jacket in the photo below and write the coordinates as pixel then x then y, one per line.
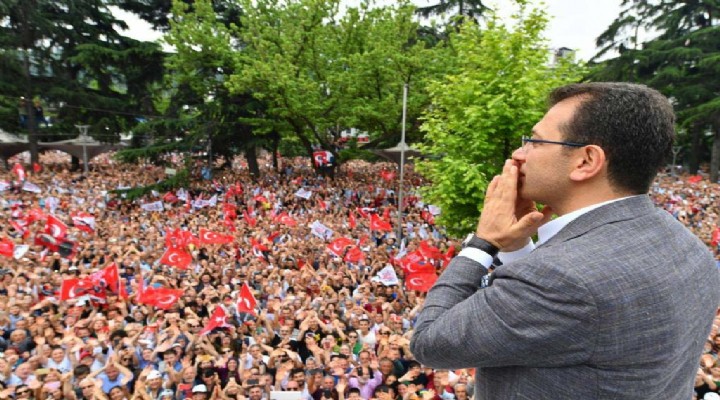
pixel 617 305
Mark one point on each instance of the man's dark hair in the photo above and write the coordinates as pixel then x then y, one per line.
pixel 81 370
pixel 633 124
pixel 296 370
pixel 353 390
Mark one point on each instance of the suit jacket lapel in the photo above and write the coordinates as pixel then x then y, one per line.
pixel 617 211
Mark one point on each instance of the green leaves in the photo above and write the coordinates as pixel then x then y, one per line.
pixel 494 94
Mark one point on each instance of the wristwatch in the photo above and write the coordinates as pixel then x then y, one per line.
pixel 481 244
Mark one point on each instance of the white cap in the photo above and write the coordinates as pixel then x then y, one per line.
pixel 154 374
pixel 199 389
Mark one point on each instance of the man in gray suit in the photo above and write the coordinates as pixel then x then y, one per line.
pixel 616 299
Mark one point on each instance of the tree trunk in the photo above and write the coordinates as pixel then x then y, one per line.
pixel 715 157
pixel 251 157
pixel 275 147
pixel 695 149
pixel 74 163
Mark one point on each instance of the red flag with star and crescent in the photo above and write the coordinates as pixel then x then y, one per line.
pixel 55 228
pixel 247 302
pixel 249 219
pixel 378 224
pixel 217 320
pixel 176 257
pixel 420 282
pixel 352 220
pixel 337 246
pixel 108 277
pixel 7 247
pixel 210 237
pixel 162 298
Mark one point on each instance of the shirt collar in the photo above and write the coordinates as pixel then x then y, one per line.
pixel 550 229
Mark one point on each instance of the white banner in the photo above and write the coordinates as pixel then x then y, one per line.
pixel 387 276
pixel 154 206
pixel 320 230
pixel 31 187
pixel 20 250
pixel 4 185
pixel 305 194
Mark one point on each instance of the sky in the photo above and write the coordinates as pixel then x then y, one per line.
pixel 574 24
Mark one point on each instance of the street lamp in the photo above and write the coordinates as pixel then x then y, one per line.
pixel 84 139
pixel 403 147
pixel 675 151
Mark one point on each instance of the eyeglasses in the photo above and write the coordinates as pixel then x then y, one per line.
pixel 385 333
pixel 22 392
pixel 352 336
pixel 526 140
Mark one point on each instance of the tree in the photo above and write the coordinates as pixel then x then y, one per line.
pixel 480 110
pixel 682 61
pixel 471 9
pixel 69 54
pixel 319 73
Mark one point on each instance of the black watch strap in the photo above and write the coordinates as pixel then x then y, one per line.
pixel 481 244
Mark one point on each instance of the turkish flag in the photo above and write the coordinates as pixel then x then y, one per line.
pixel 250 220
pixel 19 171
pixel 179 238
pixel 247 302
pixel 387 175
pixel 108 278
pixel 414 263
pixel 83 221
pixel 285 219
pixel 75 287
pixel 428 217
pixel 430 252
pixel 691 179
pixel 36 214
pixel 354 254
pixel 377 224
pixel 271 237
pixel 320 158
pixel 352 221
pixel 46 240
pixel 7 247
pixel 172 237
pixel 162 298
pixel 322 204
pixel 170 197
pixel 420 282
pixel 229 223
pixel 176 257
pixel 337 246
pixel 715 237
pixel 21 226
pixel 37 167
pixel 210 237
pixel 365 211
pixel 386 214
pixel 217 320
pixel 55 228
pixel 230 210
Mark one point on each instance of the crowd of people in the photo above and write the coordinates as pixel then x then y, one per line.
pixel 325 326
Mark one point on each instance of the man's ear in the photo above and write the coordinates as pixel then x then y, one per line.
pixel 589 162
